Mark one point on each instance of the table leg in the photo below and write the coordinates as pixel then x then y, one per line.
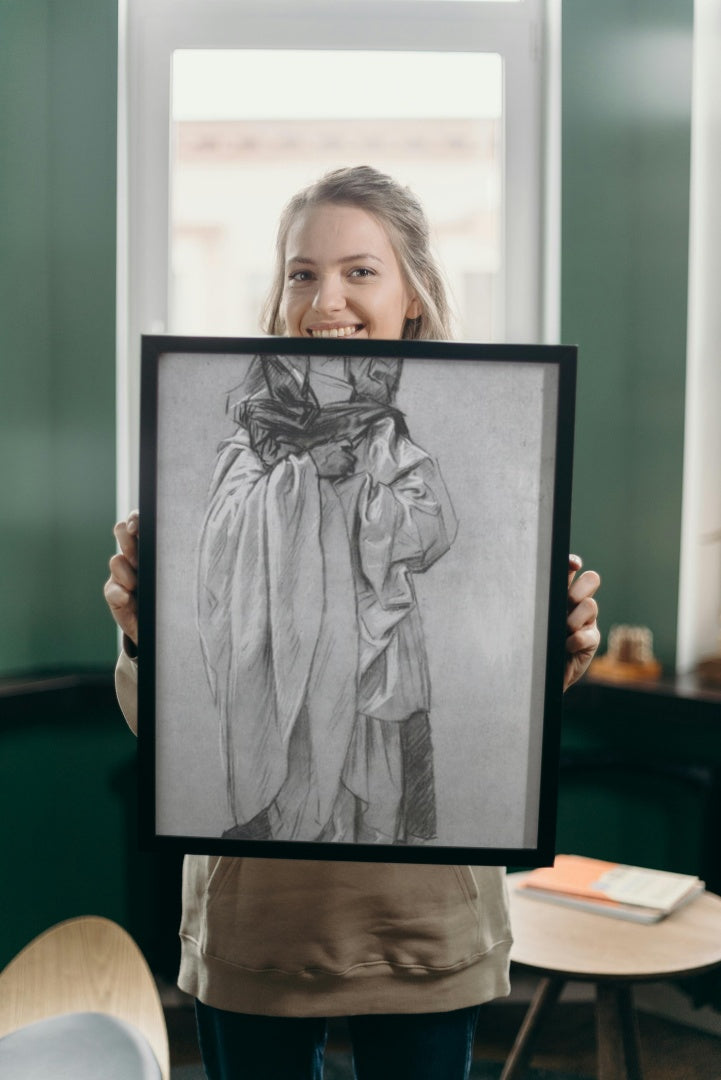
pixel 617 1033
pixel 545 997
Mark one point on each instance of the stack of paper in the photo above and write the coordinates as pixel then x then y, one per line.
pixel 624 892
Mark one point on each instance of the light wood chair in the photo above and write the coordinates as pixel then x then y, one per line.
pixel 85 965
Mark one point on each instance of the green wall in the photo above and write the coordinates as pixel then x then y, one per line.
pixel 58 71
pixel 626 137
pixel 626 145
pixel 67 771
pixel 69 807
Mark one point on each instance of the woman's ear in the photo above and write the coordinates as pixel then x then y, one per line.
pixel 415 309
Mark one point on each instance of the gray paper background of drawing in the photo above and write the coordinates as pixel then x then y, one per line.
pixel 491 427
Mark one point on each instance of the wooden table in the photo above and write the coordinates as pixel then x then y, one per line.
pixel 563 944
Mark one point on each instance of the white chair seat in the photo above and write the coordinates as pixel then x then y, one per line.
pixel 78 1046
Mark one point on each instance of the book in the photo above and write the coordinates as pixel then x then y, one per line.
pixel 615 889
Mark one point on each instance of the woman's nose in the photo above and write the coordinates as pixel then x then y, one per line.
pixel 329 296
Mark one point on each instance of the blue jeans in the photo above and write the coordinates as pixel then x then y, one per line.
pixel 414 1046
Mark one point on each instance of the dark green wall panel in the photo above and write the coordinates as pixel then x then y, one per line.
pixel 641 777
pixel 61 787
pixel 82 273
pixel 68 800
pixel 626 145
pixel 25 401
pixel 58 76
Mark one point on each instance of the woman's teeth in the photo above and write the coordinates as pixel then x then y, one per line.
pixel 336 332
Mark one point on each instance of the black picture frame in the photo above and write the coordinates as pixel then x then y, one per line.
pixel 454 518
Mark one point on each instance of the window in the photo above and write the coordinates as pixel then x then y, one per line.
pixel 227 107
pixel 235 160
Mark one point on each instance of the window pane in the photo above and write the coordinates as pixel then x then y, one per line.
pixel 252 127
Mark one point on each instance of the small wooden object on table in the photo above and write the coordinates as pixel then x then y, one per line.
pixel 629 657
pixel 562 944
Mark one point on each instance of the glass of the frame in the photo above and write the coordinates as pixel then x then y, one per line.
pixel 353 573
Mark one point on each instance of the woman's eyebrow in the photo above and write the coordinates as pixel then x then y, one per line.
pixel 361 257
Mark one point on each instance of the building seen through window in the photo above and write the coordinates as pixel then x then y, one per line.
pixel 236 162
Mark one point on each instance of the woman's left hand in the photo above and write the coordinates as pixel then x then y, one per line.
pixel 583 636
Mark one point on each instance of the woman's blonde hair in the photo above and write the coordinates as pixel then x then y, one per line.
pixel 403 217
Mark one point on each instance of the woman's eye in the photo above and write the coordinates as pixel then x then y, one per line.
pixel 362 272
pixel 300 276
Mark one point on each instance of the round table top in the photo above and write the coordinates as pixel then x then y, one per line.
pixel 559 940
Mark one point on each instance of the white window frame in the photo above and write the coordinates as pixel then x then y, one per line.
pixel 526 34
pixel 699 596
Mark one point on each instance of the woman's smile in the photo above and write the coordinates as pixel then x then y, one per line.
pixel 334 331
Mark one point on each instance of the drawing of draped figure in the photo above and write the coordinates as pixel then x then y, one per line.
pixel 308 620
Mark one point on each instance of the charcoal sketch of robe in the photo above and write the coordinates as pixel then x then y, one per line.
pixel 310 630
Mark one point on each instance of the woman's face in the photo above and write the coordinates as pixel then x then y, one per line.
pixel 342 277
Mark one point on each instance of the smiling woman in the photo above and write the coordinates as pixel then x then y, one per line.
pixel 353 259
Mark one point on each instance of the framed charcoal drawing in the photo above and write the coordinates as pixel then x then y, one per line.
pixel 352 597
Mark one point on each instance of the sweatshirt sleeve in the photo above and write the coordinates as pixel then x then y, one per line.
pixel 126 688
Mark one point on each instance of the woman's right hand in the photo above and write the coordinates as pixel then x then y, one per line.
pixel 121 587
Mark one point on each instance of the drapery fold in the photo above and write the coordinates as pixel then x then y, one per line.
pixel 276 620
